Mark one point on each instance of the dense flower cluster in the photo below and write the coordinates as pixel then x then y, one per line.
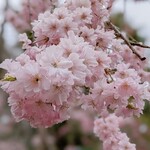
pixel 107 129
pixel 75 59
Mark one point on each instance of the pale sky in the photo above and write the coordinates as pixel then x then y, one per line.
pixel 137 15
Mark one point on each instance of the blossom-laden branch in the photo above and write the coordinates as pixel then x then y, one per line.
pixel 73 60
pixel 108 128
pixel 120 35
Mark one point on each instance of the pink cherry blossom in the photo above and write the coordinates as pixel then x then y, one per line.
pixel 73 60
pixel 107 129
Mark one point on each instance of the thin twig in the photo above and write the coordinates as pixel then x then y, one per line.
pixel 119 34
pixel 134 42
pixel 139 44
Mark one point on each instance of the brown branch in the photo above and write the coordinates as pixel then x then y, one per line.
pixel 119 34
pixel 139 44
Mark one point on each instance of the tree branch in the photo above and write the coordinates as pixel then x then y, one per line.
pixel 119 34
pixel 139 44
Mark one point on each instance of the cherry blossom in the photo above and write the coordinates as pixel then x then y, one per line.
pixel 75 59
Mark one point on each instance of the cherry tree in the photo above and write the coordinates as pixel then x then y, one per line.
pixel 75 57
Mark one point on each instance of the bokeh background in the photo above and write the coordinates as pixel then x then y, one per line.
pixel 76 134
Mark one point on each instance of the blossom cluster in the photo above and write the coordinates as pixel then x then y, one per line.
pixel 75 59
pixel 29 12
pixel 107 129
